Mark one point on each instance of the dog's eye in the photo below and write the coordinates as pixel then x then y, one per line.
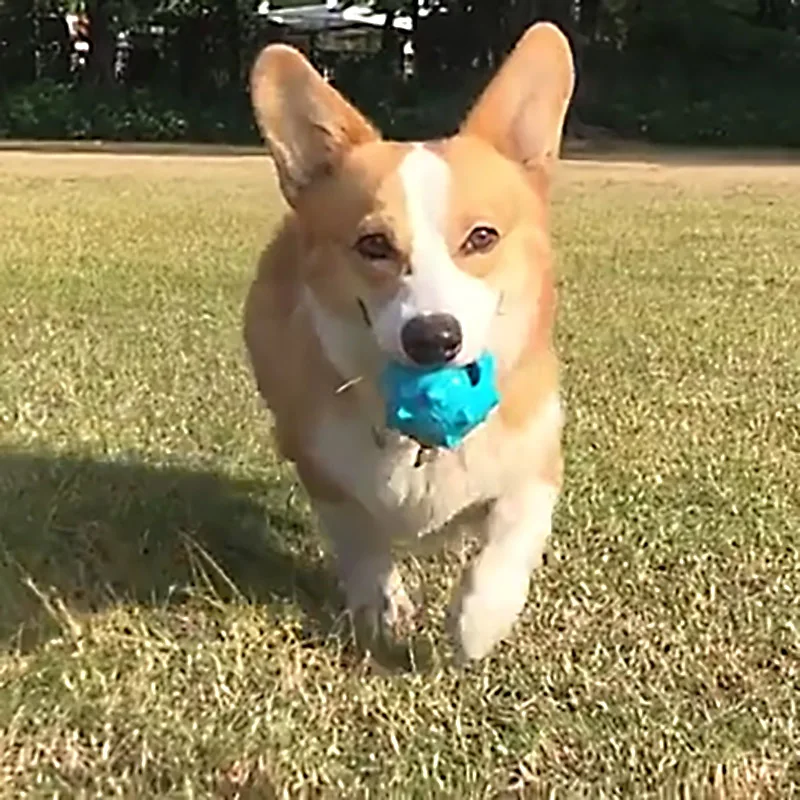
pixel 375 247
pixel 481 239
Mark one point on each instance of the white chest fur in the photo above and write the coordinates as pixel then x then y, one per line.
pixel 410 500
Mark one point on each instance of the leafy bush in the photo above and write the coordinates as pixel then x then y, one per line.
pixel 49 110
pixel 697 104
pixel 676 103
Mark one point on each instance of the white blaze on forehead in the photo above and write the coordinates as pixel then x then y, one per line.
pixel 436 284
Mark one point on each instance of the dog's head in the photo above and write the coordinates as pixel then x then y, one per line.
pixel 426 253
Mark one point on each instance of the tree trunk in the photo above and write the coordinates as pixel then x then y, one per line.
pixel 101 56
pixel 19 55
pixel 589 18
pixel 392 54
pixel 414 14
pixel 233 37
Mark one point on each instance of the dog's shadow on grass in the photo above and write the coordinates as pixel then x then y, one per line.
pixel 84 534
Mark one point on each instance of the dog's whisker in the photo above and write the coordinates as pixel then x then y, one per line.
pixel 349 384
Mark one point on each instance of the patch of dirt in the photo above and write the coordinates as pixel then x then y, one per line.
pixel 605 160
pixel 616 159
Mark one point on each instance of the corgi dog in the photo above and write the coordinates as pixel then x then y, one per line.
pixel 423 253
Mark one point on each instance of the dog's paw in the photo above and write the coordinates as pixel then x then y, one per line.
pixel 399 615
pixel 381 609
pixel 485 609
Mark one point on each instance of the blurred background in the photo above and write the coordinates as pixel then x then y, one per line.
pixel 717 72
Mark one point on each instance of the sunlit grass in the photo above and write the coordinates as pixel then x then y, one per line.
pixel 168 621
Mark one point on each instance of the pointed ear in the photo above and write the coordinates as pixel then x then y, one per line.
pixel 307 124
pixel 522 111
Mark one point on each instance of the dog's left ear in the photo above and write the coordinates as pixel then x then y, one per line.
pixel 522 111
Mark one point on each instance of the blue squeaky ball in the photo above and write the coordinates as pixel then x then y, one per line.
pixel 439 407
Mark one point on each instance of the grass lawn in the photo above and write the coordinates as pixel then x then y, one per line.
pixel 168 626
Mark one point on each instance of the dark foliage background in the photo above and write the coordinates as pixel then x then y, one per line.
pixel 671 71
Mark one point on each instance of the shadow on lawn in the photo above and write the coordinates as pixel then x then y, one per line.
pixel 90 533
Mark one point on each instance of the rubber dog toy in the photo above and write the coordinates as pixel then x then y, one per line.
pixel 439 407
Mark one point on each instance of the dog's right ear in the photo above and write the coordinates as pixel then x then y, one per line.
pixel 308 126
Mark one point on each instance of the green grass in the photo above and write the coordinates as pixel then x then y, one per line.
pixel 168 626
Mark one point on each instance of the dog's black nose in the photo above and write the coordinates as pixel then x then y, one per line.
pixel 432 339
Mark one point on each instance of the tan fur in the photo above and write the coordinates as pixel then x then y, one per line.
pixel 331 126
pixel 342 182
pixel 522 111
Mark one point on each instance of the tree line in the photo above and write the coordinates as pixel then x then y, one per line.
pixel 720 71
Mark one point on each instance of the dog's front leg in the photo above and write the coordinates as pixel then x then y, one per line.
pixel 495 587
pixel 372 585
